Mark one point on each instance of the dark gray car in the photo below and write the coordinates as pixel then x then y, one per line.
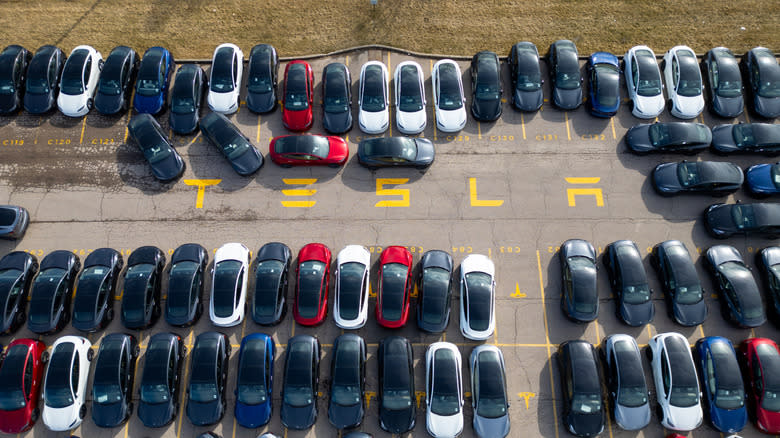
pixel 234 145
pixel 712 177
pixel 763 138
pixel 336 98
pixel 722 74
pixel 261 82
pixel 628 279
pixel 158 150
pixel 760 218
pixel 737 288
pixel 682 288
pixel 526 75
pixel 396 151
pixel 565 75
pixel 580 291
pixel 13 221
pixel 685 137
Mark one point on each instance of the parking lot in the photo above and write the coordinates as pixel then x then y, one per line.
pixel 514 190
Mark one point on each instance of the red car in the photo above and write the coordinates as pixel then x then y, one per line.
pixel 21 375
pixel 395 287
pixel 762 367
pixel 298 96
pixel 308 150
pixel 311 289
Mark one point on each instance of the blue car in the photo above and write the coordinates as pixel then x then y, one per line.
pixel 763 179
pixel 722 385
pixel 254 387
pixel 604 74
pixel 154 78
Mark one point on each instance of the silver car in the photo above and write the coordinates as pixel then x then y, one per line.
pixel 626 382
pixel 488 389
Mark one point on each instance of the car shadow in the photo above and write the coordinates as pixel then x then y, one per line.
pixel 361 179
pixel 550 427
pixel 97 120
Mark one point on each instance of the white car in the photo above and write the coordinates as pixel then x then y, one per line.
pixel 228 285
pixel 443 390
pixel 374 98
pixel 65 383
pixel 410 98
pixel 350 305
pixel 449 102
pixel 684 83
pixel 477 297
pixel 79 81
pixel 643 82
pixel 676 382
pixel 227 67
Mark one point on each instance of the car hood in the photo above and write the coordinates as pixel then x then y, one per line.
pixel 37 103
pixel 529 100
pixel 8 103
pixel 638 138
pixel 253 416
pixel 411 123
pixel 107 104
pixel 425 152
pixel 451 121
pixel 729 106
pixel 690 315
pixel 637 314
pixel 491 427
pixel 157 415
pixel 297 120
pixel 759 178
pixel 204 414
pixel 768 107
pixel 723 138
pixel 374 123
pixel 14 421
pixel 586 424
pixel 397 422
pixel 248 163
pixel 728 421
pixel 148 104
pixel 72 105
pixel 337 123
pixel 665 178
pixel 298 418
pixel 567 99
pixel 108 415
pixel 444 426
pixel 486 109
pixel 223 102
pixel 632 418
pixel 768 421
pixel 261 102
pixel 61 419
pixel 683 419
pixel 689 107
pixel 719 218
pixel 345 417
pixel 648 107
pixel 184 123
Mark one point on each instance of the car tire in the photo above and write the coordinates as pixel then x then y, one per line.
pixel 285 166
pixel 130 410
pixel 649 353
pixel 35 414
pixel 20 319
pixel 659 413
pixel 82 411
pixel 90 104
pixel 228 349
pixel 334 165
pixel 100 64
pixel 109 316
pixel 44 357
pixel 90 354
pixel 35 266
pixel 136 351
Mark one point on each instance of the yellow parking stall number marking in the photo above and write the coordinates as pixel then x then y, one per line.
pixel 201 184
pixel 591 191
pixel 517 293
pixel 299 192
pixel 13 142
pixel 501 138
pixel 103 141
pixel 593 137
pixel 475 202
pixel 58 141
pixel 463 249
pixel 381 191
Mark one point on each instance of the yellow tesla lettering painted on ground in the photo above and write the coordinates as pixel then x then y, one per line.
pixel 481 202
pixel 591 191
pixel 381 191
pixel 201 184
pixel 299 192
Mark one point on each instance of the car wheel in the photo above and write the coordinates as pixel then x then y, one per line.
pixel 130 410
pixel 20 318
pixel 100 64
pixel 285 166
pixel 229 349
pixel 83 411
pixel 90 354
pixel 649 353
pixel 136 351
pixel 183 351
pixel 45 357
pixel 659 413
pixel 35 266
pixel 90 103
pixel 36 413
pixel 109 316
pixel 334 165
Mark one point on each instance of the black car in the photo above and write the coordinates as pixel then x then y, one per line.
pixel 396 397
pixel 52 291
pixel 184 302
pixel 760 218
pixel 580 301
pixel 348 382
pixel 628 279
pixel 737 289
pixel 711 177
pixel 141 300
pixel 17 270
pixel 526 76
pixel 722 74
pixel 272 266
pixel 206 393
pixel 685 137
pixel 486 89
pixel 565 75
pixel 396 151
pixel 116 78
pixel 434 283
pixel 13 71
pixel 301 378
pixel 94 299
pixel 762 138
pixel 233 144
pixel 112 386
pixel 336 98
pixel 768 261
pixel 583 404
pixel 167 164
pixel 261 82
pixel 159 392
pixel 763 75
pixel 43 79
pixel 186 98
pixel 682 288
pixel 13 221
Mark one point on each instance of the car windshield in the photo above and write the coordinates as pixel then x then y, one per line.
pixel 568 76
pixel 436 282
pixel 236 147
pixel 225 282
pixel 771 400
pixel 149 81
pixel 636 294
pixel 410 96
pixel 179 287
pixel 252 394
pixel 203 392
pixel 608 75
pixel 151 142
pixel 690 294
pixel 6 86
pixel 312 147
pixel 335 83
pixel 649 82
pixel 769 81
pixel 110 76
pixel 222 71
pixel 393 290
pixel 480 295
pixel 9 280
pixel 57 391
pixel 450 94
pixel 445 397
pixel 730 398
pixel 488 92
pixel 296 96
pixel 396 399
pixel 11 392
pixel 586 403
pixel 345 395
pixel 268 273
pixel 182 104
pixel 744 135
pixel 684 396
pixel 350 289
pixel 106 394
pixel 73 73
pixel 154 393
pixel 251 374
pixel 311 275
pixel 373 89
pixel 743 216
pixel 148 87
pixel 632 396
pixel 298 396
pixel 528 74
pixel 688 174
pixel 729 81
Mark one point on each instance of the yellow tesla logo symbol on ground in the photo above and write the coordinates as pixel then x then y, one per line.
pixel 381 191
pixel 593 191
pixel 201 184
pixel 369 396
pixel 299 192
pixel 481 202
pixel 517 293
pixel 526 396
pixel 419 396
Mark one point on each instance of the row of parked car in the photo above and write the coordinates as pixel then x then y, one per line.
pixel 738 291
pixel 691 137
pixel 724 381
pixel 51 290
pixel 64 383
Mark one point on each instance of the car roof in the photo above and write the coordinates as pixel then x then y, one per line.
pixel 680 365
pixel 585 373
pixel 629 364
pixel 726 367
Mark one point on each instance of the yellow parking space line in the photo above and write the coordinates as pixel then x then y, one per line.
pixel 547 342
pixel 183 382
pixel 346 60
pixel 701 330
pixel 389 93
pixel 522 123
pixel 612 124
pixel 83 127
pixel 568 131
pixel 434 109
pixel 258 129
pixel 234 427
pixel 598 335
pixel 479 131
